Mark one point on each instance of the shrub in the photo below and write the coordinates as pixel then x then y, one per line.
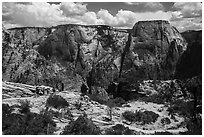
pixel 81 126
pixel 24 107
pixel 165 121
pixel 163 133
pixel 119 101
pixel 66 114
pixel 181 107
pixel 159 99
pixel 56 101
pixel 97 98
pixel 78 105
pixel 41 123
pixel 119 129
pixel 6 109
pixel 27 123
pixel 98 94
pixel 151 115
pixel 145 117
pixel 13 124
pixel 6 116
pixel 129 116
pixel 194 126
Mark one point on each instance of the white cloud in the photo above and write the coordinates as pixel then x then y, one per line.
pixel 45 14
pixel 125 18
pixel 188 16
pixel 188 24
pixel 106 17
pixel 188 9
pixel 71 8
pixel 35 14
pixel 90 18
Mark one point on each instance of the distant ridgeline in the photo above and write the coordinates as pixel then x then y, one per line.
pixel 99 54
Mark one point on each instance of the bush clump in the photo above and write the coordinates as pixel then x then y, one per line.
pixel 129 116
pixel 159 99
pixel 119 129
pixel 181 107
pixel 119 101
pixel 145 117
pixel 56 101
pixel 165 121
pixel 26 123
pixel 24 107
pixel 81 126
pixel 194 126
pixel 163 133
pixel 6 109
pixel 98 98
pixel 66 114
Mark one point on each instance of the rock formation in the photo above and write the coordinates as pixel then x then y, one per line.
pixel 58 52
pixel 98 54
pixel 154 51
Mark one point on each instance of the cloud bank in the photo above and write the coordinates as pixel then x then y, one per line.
pixel 46 14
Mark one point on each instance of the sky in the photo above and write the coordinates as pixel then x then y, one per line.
pixel 183 15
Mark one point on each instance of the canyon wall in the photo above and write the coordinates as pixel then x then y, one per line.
pixel 98 54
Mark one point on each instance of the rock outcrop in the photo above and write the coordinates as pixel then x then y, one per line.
pixel 18 90
pixel 154 51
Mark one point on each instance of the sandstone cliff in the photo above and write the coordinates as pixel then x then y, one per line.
pixel 99 54
pixel 154 51
pixel 35 55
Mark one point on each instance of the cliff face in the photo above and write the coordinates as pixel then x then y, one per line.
pixel 21 62
pixel 155 47
pixel 91 51
pixel 100 54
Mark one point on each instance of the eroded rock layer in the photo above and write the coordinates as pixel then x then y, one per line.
pixel 99 54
